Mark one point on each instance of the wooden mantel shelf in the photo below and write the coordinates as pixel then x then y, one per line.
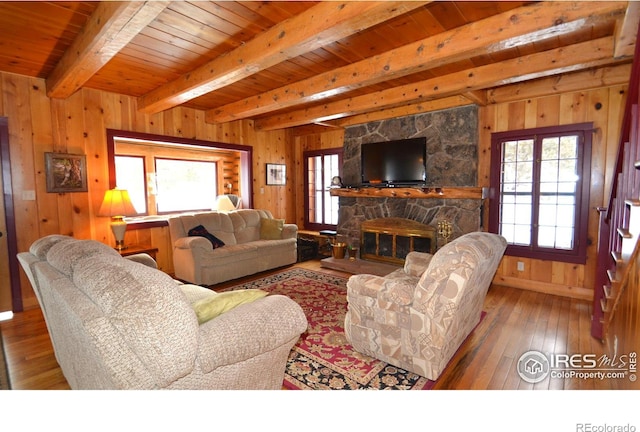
pixel 412 192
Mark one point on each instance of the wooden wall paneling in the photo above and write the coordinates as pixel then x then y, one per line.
pixel 42 142
pixel 187 123
pixel 548 111
pixel 486 122
pixel 115 112
pixel 76 210
pixel 618 97
pixel 17 110
pixel 517 115
pixel 596 109
pixel 96 152
pixel 573 107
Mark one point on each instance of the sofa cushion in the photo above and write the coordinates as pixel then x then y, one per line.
pixel 41 247
pixel 147 310
pixel 201 231
pixel 271 229
pixel 211 307
pixel 66 253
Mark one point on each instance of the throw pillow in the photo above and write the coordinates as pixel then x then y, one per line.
pixel 201 231
pixel 271 229
pixel 209 308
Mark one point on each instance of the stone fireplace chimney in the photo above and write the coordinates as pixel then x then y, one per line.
pixel 452 161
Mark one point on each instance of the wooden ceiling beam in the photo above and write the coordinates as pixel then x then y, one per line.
pixel 320 25
pixel 504 31
pixel 572 58
pixel 403 111
pixel 111 27
pixel 627 30
pixel 575 81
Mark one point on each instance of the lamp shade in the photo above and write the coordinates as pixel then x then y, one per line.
pixel 223 203
pixel 116 202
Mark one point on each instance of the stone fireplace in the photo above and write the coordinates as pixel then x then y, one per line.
pixel 452 146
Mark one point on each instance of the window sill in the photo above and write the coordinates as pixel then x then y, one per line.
pixel 146 222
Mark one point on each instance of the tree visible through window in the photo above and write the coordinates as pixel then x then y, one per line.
pixel 541 178
pixel 321 207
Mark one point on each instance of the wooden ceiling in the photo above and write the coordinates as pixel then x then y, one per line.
pixel 291 64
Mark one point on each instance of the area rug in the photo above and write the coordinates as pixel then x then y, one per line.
pixel 323 359
pixel 4 374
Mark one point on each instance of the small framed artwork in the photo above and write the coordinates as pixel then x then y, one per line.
pixel 276 174
pixel 66 172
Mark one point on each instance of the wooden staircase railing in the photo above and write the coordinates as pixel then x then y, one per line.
pixel 616 294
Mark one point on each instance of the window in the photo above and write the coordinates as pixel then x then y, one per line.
pixel 185 185
pixel 131 176
pixel 170 174
pixel 541 179
pixel 321 207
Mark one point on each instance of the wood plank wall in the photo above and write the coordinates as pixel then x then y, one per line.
pixel 38 124
pixel 604 107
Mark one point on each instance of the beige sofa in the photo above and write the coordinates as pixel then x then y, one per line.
pixel 418 316
pixel 116 323
pixel 249 247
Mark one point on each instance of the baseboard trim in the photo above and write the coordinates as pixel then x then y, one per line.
pixel 579 293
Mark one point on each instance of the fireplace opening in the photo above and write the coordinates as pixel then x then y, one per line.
pixel 391 239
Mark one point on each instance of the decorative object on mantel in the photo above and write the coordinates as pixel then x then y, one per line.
pixel 336 182
pixel 66 172
pixel 444 230
pixel 276 174
pixel 117 204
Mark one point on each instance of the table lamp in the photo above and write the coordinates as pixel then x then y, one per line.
pixel 223 203
pixel 117 204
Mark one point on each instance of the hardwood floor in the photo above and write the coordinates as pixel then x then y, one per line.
pixel 516 321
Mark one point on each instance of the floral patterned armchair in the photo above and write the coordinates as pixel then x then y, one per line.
pixel 418 316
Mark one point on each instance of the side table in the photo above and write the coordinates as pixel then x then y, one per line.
pixel 136 249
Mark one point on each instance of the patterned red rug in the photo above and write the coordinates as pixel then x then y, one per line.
pixel 323 359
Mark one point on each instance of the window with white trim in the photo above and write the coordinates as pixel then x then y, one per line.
pixel 321 208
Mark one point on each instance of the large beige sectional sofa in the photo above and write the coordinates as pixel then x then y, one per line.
pixel 249 247
pixel 116 323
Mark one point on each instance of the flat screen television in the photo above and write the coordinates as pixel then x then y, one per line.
pixel 394 163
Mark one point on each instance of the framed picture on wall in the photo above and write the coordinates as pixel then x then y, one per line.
pixel 276 174
pixel 66 172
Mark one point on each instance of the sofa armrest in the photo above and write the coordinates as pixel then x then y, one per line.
pixel 289 231
pixel 385 292
pixel 416 263
pixel 193 243
pixel 249 330
pixel 143 258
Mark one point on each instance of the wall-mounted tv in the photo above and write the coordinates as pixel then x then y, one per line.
pixel 394 163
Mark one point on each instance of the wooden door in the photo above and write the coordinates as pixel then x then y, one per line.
pixel 10 297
